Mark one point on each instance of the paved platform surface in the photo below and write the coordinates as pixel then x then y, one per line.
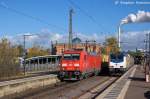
pixel 131 85
pixel 17 81
pixel 138 88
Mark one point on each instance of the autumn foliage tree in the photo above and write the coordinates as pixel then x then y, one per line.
pixel 37 51
pixel 112 43
pixel 9 57
pixel 9 64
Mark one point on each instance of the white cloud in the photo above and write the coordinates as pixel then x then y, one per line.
pixel 133 40
pixel 130 40
pixel 140 16
pixel 56 37
pixel 94 36
pixel 12 39
pixel 45 37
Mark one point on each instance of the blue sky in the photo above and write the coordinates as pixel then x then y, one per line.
pixel 105 12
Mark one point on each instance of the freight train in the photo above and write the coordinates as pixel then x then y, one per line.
pixel 79 64
pixel 120 62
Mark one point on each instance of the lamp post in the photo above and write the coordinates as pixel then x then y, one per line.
pixel 24 50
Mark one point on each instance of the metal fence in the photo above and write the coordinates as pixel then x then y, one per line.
pixel 41 64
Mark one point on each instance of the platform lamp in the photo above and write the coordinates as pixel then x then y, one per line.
pixel 24 50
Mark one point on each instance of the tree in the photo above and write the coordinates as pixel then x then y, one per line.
pixel 20 49
pixel 111 42
pixel 9 64
pixel 135 53
pixel 37 51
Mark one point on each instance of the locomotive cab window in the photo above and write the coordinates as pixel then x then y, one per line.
pixel 67 56
pixel 113 57
pixel 120 57
pixel 71 56
pixel 117 58
pixel 75 56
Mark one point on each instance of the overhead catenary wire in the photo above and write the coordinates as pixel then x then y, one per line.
pixel 32 17
pixel 126 42
pixel 86 14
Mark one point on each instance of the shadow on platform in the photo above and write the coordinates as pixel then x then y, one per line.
pixel 137 79
pixel 147 95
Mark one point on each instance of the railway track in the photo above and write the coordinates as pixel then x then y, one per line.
pixel 114 85
pixel 71 90
pixel 98 89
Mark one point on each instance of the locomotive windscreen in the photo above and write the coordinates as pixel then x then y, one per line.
pixel 71 56
pixel 117 57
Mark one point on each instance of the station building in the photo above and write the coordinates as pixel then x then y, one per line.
pixel 90 46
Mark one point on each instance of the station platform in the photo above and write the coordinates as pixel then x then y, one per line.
pixel 12 88
pixel 138 88
pixel 131 85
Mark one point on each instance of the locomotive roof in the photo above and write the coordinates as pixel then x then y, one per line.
pixel 79 51
pixel 72 51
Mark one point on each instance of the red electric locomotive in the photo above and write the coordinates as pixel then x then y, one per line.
pixel 78 64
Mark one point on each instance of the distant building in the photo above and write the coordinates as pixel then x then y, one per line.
pixel 59 48
pixel 76 40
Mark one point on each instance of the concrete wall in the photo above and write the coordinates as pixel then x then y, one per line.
pixel 20 85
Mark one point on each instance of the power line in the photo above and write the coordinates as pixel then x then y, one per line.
pixel 32 17
pixel 85 13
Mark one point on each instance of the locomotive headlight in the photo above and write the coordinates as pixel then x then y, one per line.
pixel 63 68
pixel 76 65
pixel 121 66
pixel 111 66
pixel 64 64
pixel 62 73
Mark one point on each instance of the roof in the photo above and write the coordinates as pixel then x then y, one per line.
pixel 73 51
pixel 76 40
pixel 45 56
